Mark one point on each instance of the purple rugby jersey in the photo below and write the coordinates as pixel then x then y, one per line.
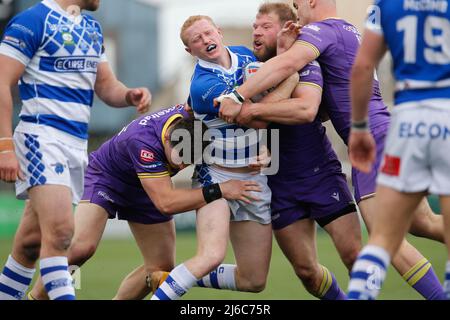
pixel 310 183
pixel 336 44
pixel 113 175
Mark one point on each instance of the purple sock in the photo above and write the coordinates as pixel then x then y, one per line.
pixel 423 279
pixel 329 289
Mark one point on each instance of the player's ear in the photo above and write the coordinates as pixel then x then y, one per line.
pixel 219 31
pixel 188 50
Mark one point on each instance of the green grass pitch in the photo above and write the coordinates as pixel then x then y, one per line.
pixel 101 276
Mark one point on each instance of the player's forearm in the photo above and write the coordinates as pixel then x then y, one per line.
pixel 284 90
pixel 113 93
pixel 361 91
pixel 269 75
pixel 180 200
pixel 290 112
pixel 6 111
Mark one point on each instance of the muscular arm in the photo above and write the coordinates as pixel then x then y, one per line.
pixel 108 88
pixel 169 200
pixel 300 109
pixel 282 92
pixel 369 56
pixel 11 70
pixel 277 69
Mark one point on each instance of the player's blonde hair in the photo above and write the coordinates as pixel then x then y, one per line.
pixel 189 22
pixel 284 11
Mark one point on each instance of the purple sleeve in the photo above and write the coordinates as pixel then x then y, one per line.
pixel 317 36
pixel 312 74
pixel 147 160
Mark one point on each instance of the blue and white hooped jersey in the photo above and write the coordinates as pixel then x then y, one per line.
pixel 61 59
pixel 231 149
pixel 418 35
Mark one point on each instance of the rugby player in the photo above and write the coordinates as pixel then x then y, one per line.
pixel 333 42
pixel 56 54
pixel 416 160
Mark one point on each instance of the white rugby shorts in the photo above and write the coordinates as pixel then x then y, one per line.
pixel 47 160
pixel 258 211
pixel 417 152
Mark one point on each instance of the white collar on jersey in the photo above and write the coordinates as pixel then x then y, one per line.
pixel 210 65
pixel 52 4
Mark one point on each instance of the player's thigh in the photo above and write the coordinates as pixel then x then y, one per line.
pixel 90 222
pixel 298 243
pixel 346 234
pixel 393 218
pixel 367 210
pixel 212 227
pixel 53 205
pixel 156 243
pixel 252 246
pixel 345 231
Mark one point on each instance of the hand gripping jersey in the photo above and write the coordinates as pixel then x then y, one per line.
pixel 61 58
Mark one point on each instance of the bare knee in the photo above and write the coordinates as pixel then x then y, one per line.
pixel 254 283
pixel 349 257
pixel 212 258
pixel 309 275
pixel 79 253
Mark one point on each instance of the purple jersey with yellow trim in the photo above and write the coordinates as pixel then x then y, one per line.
pixel 304 147
pixel 309 183
pixel 336 43
pixel 137 151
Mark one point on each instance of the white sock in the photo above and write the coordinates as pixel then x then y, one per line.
pixel 221 278
pixel 57 279
pixel 14 280
pixel 368 273
pixel 178 282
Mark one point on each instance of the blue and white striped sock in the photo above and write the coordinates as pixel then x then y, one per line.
pixel 221 278
pixel 447 281
pixel 368 273
pixel 178 282
pixel 14 280
pixel 57 279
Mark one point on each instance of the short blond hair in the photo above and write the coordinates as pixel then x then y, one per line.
pixel 284 11
pixel 189 22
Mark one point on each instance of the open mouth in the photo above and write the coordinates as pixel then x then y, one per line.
pixel 257 45
pixel 211 47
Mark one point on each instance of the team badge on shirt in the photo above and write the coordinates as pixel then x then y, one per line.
pixel 147 156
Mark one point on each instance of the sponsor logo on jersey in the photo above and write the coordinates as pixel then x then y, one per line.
pixel 22 28
pixel 153 165
pixel 336 196
pixel 147 156
pixel 312 27
pixel 15 42
pixel 68 39
pixel 391 166
pixel 75 64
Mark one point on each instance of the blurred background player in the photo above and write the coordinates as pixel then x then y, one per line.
pixel 309 186
pixel 129 176
pixel 58 55
pixel 333 42
pixel 219 69
pixel 416 160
